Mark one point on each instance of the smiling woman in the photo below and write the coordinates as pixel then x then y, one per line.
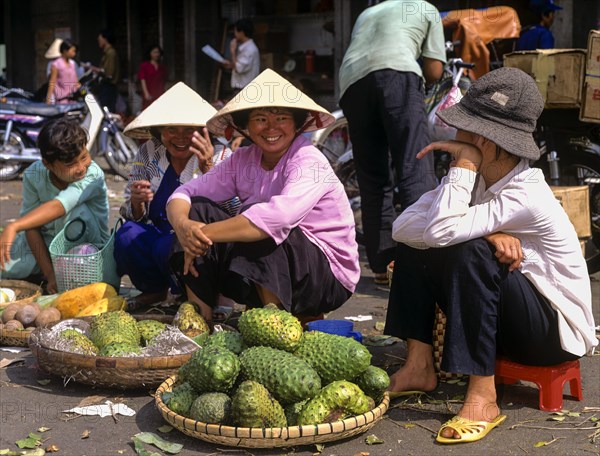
pixel 293 242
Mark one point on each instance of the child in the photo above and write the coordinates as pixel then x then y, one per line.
pixel 64 185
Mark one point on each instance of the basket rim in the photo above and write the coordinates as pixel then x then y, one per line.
pixel 35 290
pixel 312 430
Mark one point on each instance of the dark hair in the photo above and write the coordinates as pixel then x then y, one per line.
pixel 61 140
pixel 66 45
pixel 109 35
pixel 150 48
pixel 240 118
pixel 245 25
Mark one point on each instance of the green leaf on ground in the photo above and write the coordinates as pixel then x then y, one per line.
pixel 380 325
pixel 153 439
pixel 557 418
pixel 373 440
pixel 319 447
pixel 140 450
pixel 164 429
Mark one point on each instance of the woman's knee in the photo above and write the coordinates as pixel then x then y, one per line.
pixel 471 252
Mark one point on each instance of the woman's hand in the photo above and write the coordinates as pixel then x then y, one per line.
pixel 203 149
pixel 141 192
pixel 508 249
pixel 6 240
pixel 464 155
pixel 193 241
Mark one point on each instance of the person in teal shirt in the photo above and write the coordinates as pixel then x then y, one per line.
pixel 65 184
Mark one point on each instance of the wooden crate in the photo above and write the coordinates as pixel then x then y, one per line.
pixel 576 203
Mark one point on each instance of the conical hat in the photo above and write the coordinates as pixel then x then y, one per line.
pixel 268 89
pixel 53 51
pixel 180 105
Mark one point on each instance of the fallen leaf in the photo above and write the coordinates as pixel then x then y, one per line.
pixel 540 444
pixel 556 418
pixel 594 419
pixel 153 439
pixel 319 447
pixel 91 400
pixel 164 429
pixel 43 429
pixel 44 382
pixel 85 434
pixel 373 440
pixel 32 441
pixel 52 448
pixel 575 414
pixel 140 450
pixel 409 425
pixel 379 325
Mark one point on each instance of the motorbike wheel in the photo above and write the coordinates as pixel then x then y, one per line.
pixel 583 168
pixel 334 140
pixel 120 157
pixel 11 169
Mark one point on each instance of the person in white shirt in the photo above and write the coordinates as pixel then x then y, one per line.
pixel 494 249
pixel 245 57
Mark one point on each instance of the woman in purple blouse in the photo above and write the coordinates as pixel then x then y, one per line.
pixel 293 241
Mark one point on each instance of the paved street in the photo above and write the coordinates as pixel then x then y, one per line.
pixel 29 401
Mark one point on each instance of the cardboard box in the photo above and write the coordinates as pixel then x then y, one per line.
pixel 558 73
pixel 592 66
pixel 576 203
pixel 590 104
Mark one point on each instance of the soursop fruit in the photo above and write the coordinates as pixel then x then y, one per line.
pixel 333 357
pixel 74 341
pixel 270 327
pixel 373 381
pixel 190 322
pixel 227 339
pixel 114 327
pixel 181 398
pixel 212 369
pixel 118 349
pixel 335 401
pixel 149 329
pixel 292 412
pixel 253 406
pixel 211 408
pixel 287 377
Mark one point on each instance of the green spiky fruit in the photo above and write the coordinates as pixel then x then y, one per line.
pixel 270 327
pixel 292 412
pixel 373 381
pixel 76 342
pixel 211 408
pixel 333 357
pixel 118 349
pixel 114 327
pixel 335 401
pixel 228 339
pixel 149 329
pixel 212 369
pixel 190 322
pixel 253 406
pixel 287 377
pixel 181 398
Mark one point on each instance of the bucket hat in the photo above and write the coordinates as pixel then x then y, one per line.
pixel 53 51
pixel 271 90
pixel 502 106
pixel 180 105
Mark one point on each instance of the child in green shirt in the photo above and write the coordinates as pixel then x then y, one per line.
pixel 63 185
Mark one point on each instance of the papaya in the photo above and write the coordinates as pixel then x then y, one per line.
pixel 102 306
pixel 71 302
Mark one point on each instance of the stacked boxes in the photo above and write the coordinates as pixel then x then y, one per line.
pixel 590 106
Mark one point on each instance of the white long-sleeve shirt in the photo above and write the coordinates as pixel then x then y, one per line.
pixel 247 65
pixel 523 205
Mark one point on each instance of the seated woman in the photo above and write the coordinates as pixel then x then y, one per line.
pixel 293 244
pixel 163 163
pixel 494 249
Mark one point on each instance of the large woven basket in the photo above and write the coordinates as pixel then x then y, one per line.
pixel 269 437
pixel 24 291
pixel 15 338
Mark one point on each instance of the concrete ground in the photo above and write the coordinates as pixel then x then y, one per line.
pixel 30 399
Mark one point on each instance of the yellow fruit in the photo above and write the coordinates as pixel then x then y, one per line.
pixel 6 295
pixel 71 302
pixel 102 306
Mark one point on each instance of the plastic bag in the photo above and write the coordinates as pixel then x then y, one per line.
pixel 440 131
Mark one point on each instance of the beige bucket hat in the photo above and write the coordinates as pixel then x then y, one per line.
pixel 180 105
pixel 271 90
pixel 53 51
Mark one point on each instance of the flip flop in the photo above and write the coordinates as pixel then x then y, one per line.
pixel 381 278
pixel 396 394
pixel 469 431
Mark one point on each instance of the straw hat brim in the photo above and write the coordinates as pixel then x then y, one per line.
pixel 53 51
pixel 178 106
pixel 269 90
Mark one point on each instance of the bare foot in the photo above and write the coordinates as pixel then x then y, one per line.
pixel 418 373
pixel 480 403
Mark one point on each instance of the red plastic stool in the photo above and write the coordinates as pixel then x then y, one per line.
pixel 549 379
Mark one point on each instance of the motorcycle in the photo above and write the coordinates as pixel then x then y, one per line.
pixel 21 120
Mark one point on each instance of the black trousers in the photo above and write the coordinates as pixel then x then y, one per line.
pixel 388 126
pixel 489 310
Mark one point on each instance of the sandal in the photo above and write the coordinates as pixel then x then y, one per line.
pixel 469 431
pixel 381 278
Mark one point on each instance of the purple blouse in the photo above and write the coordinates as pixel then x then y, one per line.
pixel 302 190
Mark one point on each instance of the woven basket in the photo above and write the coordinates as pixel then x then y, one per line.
pixel 24 291
pixel 15 338
pixel 268 437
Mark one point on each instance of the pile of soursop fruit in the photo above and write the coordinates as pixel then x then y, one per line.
pixel 273 374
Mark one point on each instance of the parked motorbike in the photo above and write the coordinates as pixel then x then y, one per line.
pixel 22 119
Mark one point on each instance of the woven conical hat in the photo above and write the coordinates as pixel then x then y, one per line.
pixel 268 89
pixel 53 51
pixel 180 105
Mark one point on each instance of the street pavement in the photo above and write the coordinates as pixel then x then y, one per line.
pixel 31 399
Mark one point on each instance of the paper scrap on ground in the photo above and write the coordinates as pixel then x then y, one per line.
pixel 212 53
pixel 14 349
pixel 360 318
pixel 106 409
